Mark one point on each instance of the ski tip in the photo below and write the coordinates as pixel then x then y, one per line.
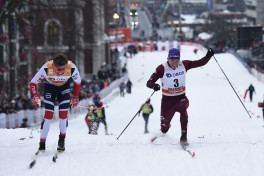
pixel 193 154
pixel 32 164
pixel 153 139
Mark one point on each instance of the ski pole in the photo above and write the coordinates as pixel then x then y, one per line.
pixel 232 86
pixel 135 116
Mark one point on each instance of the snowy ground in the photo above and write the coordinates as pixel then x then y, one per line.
pixel 226 141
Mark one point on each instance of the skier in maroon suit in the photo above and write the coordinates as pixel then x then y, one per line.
pixel 172 74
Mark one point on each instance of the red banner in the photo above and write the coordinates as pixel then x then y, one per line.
pixel 120 35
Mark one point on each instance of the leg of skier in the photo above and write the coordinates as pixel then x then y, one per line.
pixel 49 99
pixel 182 109
pixel 64 103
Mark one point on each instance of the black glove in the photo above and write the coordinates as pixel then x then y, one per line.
pixel 156 87
pixel 209 53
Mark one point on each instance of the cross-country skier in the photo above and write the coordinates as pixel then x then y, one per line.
pixel 56 74
pixel 146 109
pixel 100 116
pixel 173 74
pixel 97 116
pixel 91 121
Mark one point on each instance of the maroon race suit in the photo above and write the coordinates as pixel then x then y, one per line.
pixel 172 104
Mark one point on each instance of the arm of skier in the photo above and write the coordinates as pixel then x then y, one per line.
pixel 198 63
pixel 154 77
pixel 41 74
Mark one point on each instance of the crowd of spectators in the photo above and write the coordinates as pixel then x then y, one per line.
pixel 15 104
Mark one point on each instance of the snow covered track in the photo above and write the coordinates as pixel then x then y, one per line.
pixel 226 142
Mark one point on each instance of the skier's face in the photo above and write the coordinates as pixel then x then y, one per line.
pixel 59 70
pixel 174 63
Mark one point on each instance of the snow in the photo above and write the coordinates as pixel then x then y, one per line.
pixel 225 140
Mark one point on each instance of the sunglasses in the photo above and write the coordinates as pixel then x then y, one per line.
pixel 174 54
pixel 60 69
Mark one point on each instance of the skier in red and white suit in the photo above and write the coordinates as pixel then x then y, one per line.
pixel 173 74
pixel 57 74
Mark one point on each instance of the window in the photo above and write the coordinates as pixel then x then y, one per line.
pixel 53 35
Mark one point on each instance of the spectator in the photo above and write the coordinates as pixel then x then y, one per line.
pixel 128 86
pixel 147 110
pixel 122 87
pixel 251 90
pixel 24 124
pixel 124 70
pixel 96 99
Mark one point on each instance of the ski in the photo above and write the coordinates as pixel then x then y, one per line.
pixel 32 164
pixel 186 148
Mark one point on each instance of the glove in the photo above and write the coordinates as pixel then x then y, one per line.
pixel 36 101
pixel 209 53
pixel 156 87
pixel 74 101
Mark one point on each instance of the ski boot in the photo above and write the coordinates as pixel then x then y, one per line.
pixel 183 141
pixel 61 144
pixel 42 146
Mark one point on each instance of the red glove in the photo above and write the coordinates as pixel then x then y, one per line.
pixel 74 101
pixel 36 101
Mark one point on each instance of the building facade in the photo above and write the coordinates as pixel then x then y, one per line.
pixel 38 30
pixel 255 12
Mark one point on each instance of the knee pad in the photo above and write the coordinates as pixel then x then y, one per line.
pixel 164 130
pixel 48 114
pixel 63 114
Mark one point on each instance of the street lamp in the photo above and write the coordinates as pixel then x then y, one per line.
pixel 116 17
